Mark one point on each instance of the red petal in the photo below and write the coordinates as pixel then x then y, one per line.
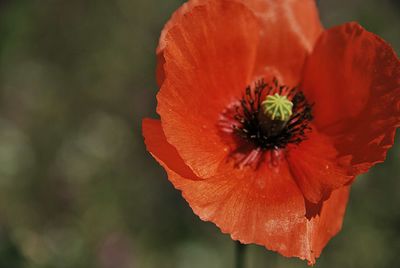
pixel 289 30
pixel 353 78
pixel 209 58
pixel 322 228
pixel 263 207
pixel 176 18
pixel 314 166
pixel 162 151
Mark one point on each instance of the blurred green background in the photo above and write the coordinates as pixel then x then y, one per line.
pixel 77 188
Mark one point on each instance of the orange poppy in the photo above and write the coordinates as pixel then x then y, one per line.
pixel 266 118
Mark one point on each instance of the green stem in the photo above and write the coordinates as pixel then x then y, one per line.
pixel 239 255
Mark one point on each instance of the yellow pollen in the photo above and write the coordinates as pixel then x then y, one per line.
pixel 277 107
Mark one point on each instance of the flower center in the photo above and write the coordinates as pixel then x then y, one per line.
pixel 277 107
pixel 268 117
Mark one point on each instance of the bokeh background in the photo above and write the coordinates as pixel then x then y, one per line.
pixel 77 187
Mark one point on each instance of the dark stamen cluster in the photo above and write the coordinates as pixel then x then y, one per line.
pixel 263 132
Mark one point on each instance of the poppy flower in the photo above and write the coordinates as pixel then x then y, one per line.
pixel 266 118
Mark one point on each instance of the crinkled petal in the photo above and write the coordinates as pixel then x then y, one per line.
pixel 315 167
pixel 264 207
pixel 209 58
pixel 353 77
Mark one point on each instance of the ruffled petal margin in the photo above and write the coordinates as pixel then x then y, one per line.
pixel 263 207
pixel 353 77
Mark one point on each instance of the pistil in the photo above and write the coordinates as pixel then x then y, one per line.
pixel 277 107
pixel 275 113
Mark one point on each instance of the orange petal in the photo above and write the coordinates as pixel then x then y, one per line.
pixel 288 31
pixel 323 227
pixel 175 19
pixel 264 207
pixel 315 167
pixel 162 151
pixel 353 78
pixel 209 58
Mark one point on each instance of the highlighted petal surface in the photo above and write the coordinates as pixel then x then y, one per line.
pixel 209 58
pixel 288 31
pixel 353 77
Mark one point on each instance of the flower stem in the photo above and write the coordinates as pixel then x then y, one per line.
pixel 239 254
